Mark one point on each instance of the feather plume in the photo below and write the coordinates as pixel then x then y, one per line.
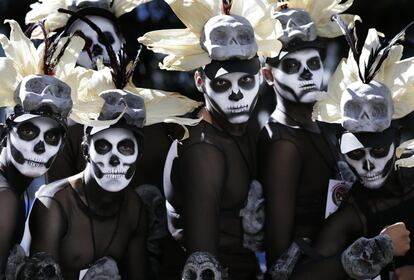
pixel 226 6
pixel 378 56
pixel 351 38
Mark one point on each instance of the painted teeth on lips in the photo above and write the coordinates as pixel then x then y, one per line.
pixel 35 162
pixel 372 177
pixel 237 109
pixel 307 84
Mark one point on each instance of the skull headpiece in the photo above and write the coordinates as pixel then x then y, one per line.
pixel 82 4
pixel 44 93
pixel 226 37
pixel 118 101
pixel 203 266
pixel 297 27
pixel 366 107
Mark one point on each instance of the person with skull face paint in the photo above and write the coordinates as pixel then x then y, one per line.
pixel 292 146
pixel 207 176
pixel 103 13
pixel 381 197
pixel 94 214
pixel 35 131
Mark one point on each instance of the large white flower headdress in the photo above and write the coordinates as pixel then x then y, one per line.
pixel 320 12
pixel 371 87
pixel 182 46
pixel 93 85
pixel 48 11
pixel 24 61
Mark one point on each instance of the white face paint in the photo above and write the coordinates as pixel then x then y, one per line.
pixel 112 154
pixel 33 145
pixel 96 49
pixel 373 165
pixel 299 76
pixel 233 95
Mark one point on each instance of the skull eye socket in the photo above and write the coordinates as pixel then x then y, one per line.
pixel 111 100
pixel 378 110
pixel 353 109
pixel 28 131
pixel 52 136
pixel 207 274
pixel 35 85
pixel 102 146
pixel 247 82
pixel 126 147
pixel 220 85
pixel 244 37
pixel 219 36
pixel 314 63
pixel 379 152
pixel 190 275
pixel 356 154
pixel 109 37
pixel 290 66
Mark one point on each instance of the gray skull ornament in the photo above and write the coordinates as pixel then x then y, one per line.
pixel 115 102
pixel 37 91
pixel 203 266
pixel 366 107
pixel 296 25
pixel 226 37
pixel 253 218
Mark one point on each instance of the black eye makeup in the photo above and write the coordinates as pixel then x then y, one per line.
pixel 109 37
pixel 28 131
pixel 53 136
pixel 220 85
pixel 379 152
pixel 356 154
pixel 314 63
pixel 126 147
pixel 102 146
pixel 247 82
pixel 290 65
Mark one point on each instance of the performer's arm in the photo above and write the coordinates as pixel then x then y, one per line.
pixel 280 169
pixel 8 222
pixel 202 171
pixel 48 225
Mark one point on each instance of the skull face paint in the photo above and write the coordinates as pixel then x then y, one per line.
pixel 232 95
pixel 33 145
pixel 299 76
pixel 366 107
pixel 226 37
pixel 112 154
pixel 94 48
pixel 373 165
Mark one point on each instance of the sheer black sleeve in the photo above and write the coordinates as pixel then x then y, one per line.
pixel 202 172
pixel 135 259
pixel 48 225
pixel 339 231
pixel 9 205
pixel 280 169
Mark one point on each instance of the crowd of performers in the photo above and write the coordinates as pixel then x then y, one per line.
pixel 149 184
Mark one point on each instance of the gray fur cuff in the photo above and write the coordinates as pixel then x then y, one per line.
pixel 365 258
pixel 284 266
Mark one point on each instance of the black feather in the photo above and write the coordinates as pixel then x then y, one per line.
pixel 226 6
pixel 379 55
pixel 351 38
